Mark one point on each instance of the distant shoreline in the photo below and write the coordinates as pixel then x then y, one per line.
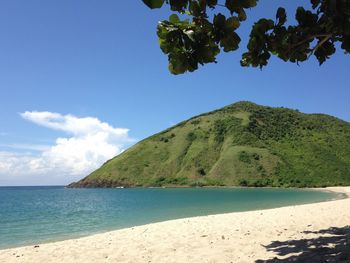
pixel 325 189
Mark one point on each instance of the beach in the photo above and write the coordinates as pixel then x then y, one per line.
pixel 302 233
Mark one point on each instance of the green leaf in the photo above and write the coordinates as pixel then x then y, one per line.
pixel 219 20
pixel 248 3
pixel 230 42
pixel 178 5
pixel 154 3
pixel 208 54
pixel 242 16
pixel 231 5
pixel 178 64
pixel 174 19
pixel 281 16
pixel 232 23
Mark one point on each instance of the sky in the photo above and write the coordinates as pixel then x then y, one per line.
pixel 83 80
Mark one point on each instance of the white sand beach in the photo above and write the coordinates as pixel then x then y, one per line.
pixel 304 233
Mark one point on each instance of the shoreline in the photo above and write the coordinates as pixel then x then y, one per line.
pixel 192 239
pixel 338 196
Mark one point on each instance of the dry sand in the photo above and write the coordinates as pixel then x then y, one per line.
pixel 305 233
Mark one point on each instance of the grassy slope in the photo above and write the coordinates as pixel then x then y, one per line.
pixel 241 144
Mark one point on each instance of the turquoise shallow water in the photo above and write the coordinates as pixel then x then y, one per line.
pixel 30 215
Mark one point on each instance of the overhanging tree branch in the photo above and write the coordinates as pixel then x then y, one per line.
pixel 196 41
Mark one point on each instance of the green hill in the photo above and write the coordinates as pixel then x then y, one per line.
pixel 242 144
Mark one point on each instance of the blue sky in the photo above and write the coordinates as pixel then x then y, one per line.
pixel 98 63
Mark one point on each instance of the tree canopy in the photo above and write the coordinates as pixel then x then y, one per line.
pixel 201 32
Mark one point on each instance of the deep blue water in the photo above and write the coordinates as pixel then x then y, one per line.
pixel 30 215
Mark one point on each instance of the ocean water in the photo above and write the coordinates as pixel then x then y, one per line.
pixel 31 215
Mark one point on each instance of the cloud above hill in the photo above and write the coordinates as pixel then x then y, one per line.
pixel 88 143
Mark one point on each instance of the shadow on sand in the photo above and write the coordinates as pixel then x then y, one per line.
pixel 332 245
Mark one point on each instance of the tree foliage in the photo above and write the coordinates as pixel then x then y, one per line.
pixel 204 31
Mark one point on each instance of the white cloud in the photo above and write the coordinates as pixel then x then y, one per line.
pixel 31 147
pixel 90 144
pixel 72 124
pixel 13 163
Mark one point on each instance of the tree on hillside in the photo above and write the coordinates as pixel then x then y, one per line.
pixel 201 32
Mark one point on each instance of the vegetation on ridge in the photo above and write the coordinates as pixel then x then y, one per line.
pixel 242 144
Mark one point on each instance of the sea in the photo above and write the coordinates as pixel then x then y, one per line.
pixel 39 214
